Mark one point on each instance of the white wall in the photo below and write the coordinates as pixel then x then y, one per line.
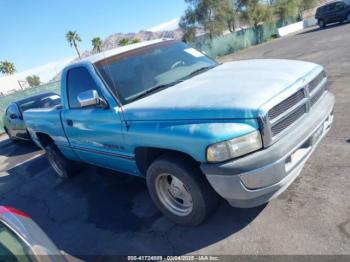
pixel 286 30
pixel 283 31
pixel 8 84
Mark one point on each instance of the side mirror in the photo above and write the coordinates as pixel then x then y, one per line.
pixel 91 98
pixel 13 116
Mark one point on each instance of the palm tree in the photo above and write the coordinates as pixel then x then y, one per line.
pixel 7 67
pixel 73 38
pixel 97 44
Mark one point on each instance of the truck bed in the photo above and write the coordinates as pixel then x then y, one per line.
pixel 47 121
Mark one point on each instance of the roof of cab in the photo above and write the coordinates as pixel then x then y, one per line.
pixel 332 2
pixel 118 50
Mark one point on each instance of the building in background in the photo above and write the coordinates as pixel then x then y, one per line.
pixel 9 84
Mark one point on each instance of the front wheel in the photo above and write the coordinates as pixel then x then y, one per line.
pixel 180 190
pixel 321 23
pixel 63 167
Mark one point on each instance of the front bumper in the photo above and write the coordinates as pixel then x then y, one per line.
pixel 259 177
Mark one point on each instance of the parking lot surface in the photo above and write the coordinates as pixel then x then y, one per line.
pixel 99 212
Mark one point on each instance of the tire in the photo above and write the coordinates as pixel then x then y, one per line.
pixel 321 23
pixel 194 201
pixel 348 17
pixel 63 167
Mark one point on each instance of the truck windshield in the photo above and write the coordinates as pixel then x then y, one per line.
pixel 140 72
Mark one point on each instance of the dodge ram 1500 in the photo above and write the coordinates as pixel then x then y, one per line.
pixel 193 128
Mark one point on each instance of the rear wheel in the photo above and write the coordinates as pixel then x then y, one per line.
pixel 180 190
pixel 63 167
pixel 321 23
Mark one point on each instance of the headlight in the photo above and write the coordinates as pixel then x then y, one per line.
pixel 234 148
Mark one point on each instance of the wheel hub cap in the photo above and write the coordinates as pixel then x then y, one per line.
pixel 173 194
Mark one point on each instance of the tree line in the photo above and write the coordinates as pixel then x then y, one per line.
pixel 73 38
pixel 217 16
pixel 214 16
pixel 8 68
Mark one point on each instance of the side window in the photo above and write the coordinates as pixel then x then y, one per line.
pixel 12 109
pixel 339 6
pixel 331 7
pixel 15 109
pixel 78 80
pixel 12 248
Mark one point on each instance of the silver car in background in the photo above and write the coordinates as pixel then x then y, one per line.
pixel 13 119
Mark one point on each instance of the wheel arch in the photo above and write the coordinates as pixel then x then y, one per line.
pixel 44 139
pixel 346 16
pixel 144 157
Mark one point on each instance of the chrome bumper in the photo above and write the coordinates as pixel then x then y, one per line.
pixel 259 177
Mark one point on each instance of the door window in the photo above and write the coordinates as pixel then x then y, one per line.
pixel 331 8
pixel 12 248
pixel 12 110
pixel 78 80
pixel 339 6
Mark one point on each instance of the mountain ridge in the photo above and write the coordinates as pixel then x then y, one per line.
pixel 112 41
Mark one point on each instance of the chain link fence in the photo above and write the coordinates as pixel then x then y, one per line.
pixel 244 38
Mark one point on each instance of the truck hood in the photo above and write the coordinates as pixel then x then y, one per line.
pixel 234 90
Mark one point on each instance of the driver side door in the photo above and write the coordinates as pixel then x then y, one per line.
pixel 340 11
pixel 94 132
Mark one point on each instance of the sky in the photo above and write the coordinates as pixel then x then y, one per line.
pixel 32 35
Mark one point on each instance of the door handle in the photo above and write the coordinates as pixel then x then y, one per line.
pixel 69 122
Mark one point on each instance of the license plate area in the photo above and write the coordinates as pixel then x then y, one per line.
pixel 303 150
pixel 297 156
pixel 317 135
pixel 323 128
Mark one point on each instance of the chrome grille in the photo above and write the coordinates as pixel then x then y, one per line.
pixel 317 95
pixel 286 104
pixel 316 81
pixel 283 124
pixel 283 115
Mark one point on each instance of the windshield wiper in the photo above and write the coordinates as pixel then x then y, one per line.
pixel 198 71
pixel 153 89
pixel 162 86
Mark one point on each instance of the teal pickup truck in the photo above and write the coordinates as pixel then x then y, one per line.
pixel 194 129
